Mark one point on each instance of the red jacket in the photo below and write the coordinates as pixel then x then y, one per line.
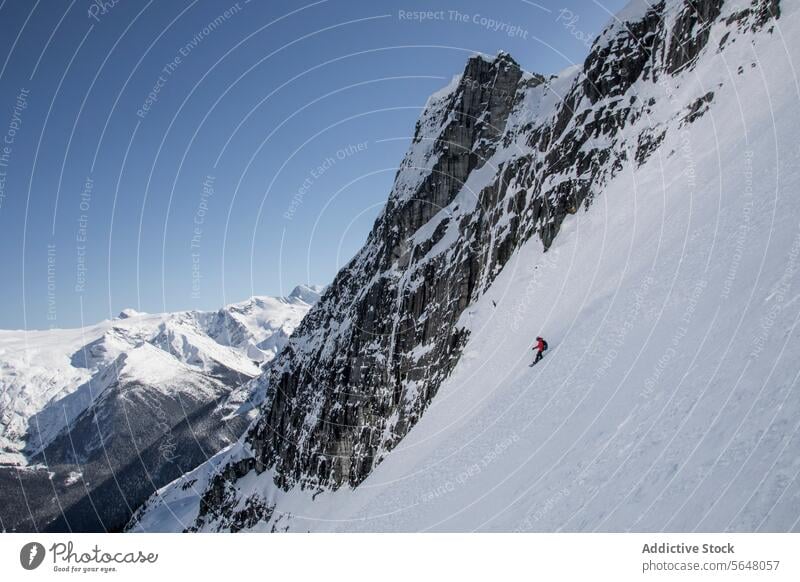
pixel 539 345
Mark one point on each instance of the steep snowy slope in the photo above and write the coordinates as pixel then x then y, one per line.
pixel 126 405
pixel 668 400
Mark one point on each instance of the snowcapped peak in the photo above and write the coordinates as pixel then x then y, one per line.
pixel 148 364
pixel 307 293
pixel 500 58
pixel 128 312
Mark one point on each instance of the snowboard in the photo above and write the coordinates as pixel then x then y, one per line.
pixel 532 364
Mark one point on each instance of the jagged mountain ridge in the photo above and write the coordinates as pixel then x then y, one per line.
pixel 103 415
pixel 499 157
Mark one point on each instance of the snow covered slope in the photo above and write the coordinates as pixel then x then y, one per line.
pixel 69 395
pixel 668 400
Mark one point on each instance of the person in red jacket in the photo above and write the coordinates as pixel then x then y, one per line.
pixel 540 345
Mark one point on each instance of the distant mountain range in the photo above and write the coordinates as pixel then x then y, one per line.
pixel 95 419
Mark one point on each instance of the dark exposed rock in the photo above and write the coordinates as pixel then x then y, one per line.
pixel 755 16
pixel 216 501
pixel 698 107
pixel 615 64
pixel 691 32
pixel 648 143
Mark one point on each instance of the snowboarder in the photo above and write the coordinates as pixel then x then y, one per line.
pixel 541 345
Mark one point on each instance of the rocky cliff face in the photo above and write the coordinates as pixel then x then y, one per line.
pixel 498 157
pixel 370 361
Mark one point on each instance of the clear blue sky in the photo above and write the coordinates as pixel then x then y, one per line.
pixel 172 155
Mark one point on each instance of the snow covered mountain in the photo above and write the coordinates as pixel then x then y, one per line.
pixel 637 210
pixel 105 414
